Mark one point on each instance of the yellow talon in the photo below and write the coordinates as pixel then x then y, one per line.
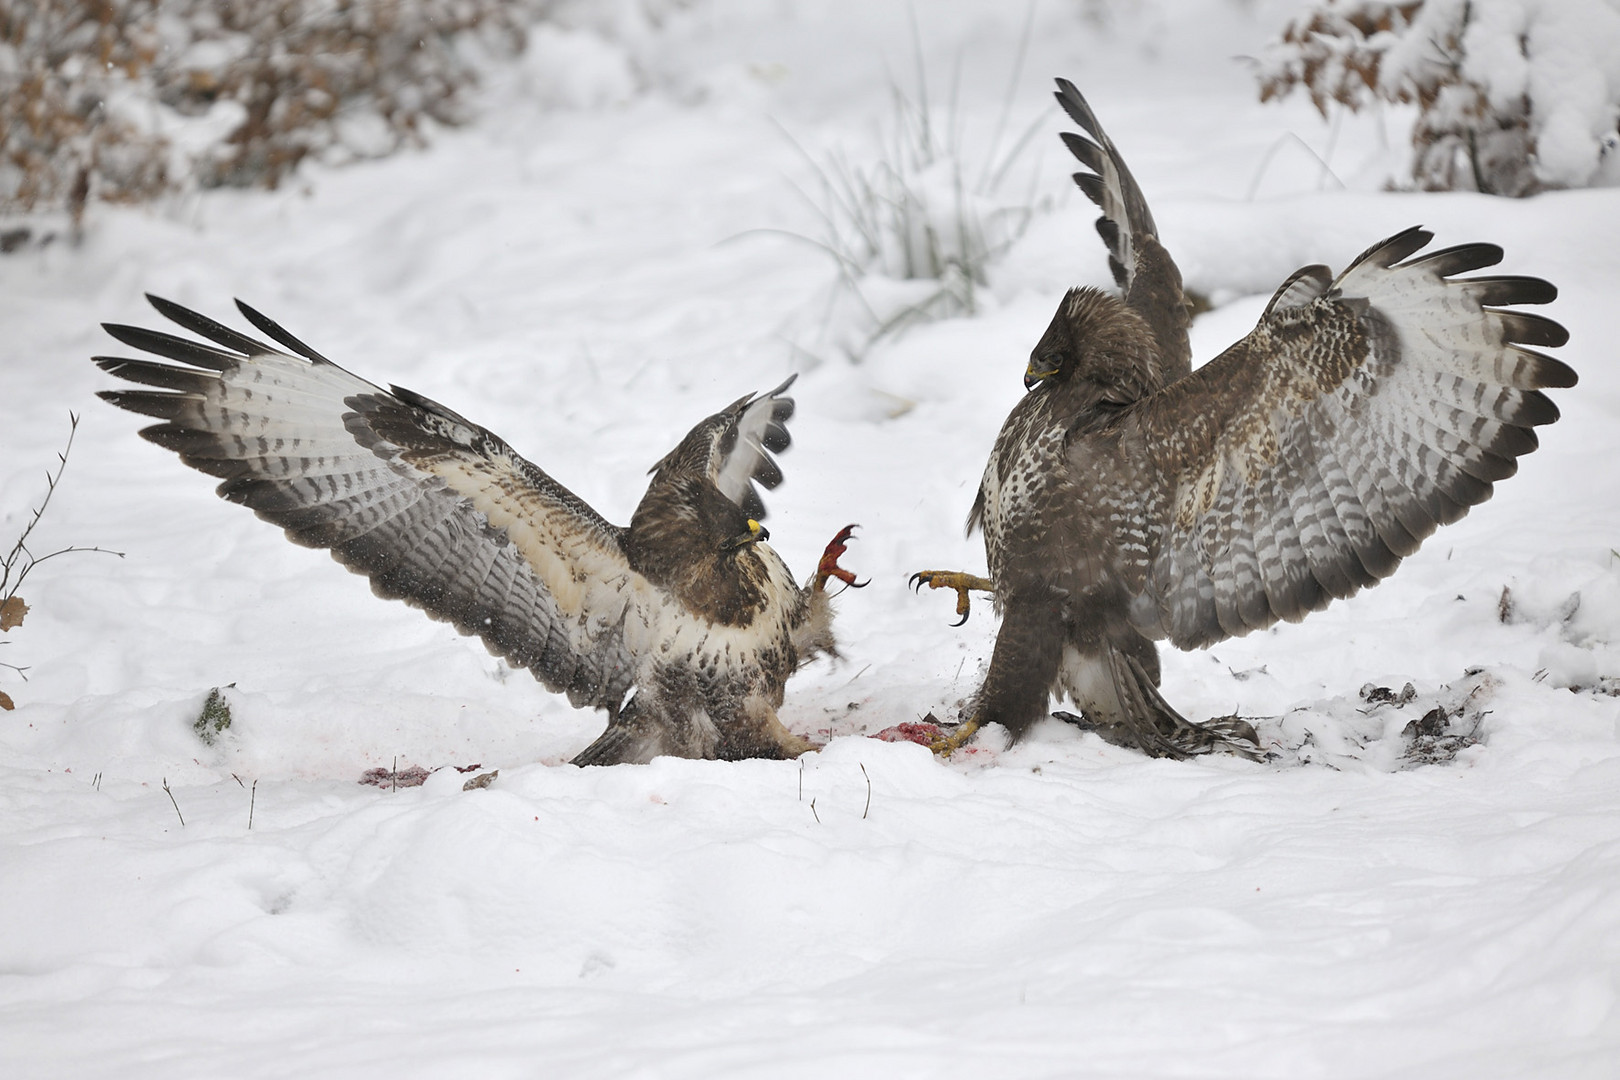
pixel 951 579
pixel 953 742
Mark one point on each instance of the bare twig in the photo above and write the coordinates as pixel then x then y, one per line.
pixel 1271 152
pixel 19 560
pixel 170 794
pixel 868 808
pixel 813 811
pixel 253 797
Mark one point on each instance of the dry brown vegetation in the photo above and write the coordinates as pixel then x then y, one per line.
pixel 124 100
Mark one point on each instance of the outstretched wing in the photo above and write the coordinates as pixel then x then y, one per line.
pixel 1142 267
pixel 751 430
pixel 734 448
pixel 1361 413
pixel 434 509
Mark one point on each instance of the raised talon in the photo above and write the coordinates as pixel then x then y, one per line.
pixel 952 579
pixel 828 567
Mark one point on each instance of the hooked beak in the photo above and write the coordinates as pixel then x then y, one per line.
pixel 756 532
pixel 1033 375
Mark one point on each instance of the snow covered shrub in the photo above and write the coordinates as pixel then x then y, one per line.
pixel 60 62
pixel 915 229
pixel 121 100
pixel 1514 96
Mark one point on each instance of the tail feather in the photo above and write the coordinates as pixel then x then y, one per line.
pixel 1120 701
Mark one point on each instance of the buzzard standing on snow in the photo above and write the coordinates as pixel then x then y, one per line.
pixel 1130 499
pixel 685 607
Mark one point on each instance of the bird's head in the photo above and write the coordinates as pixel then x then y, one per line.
pixel 1051 353
pixel 1094 336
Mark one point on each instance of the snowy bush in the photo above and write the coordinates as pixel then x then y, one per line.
pixel 1514 96
pixel 122 100
pixel 915 227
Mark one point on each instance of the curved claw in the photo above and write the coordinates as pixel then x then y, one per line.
pixel 950 579
pixel 828 567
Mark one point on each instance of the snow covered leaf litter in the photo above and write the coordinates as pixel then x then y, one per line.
pixel 1063 908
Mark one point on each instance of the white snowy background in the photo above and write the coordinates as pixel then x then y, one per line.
pixel 595 265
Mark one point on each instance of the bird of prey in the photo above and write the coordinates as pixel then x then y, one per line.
pixel 1130 499
pixel 686 611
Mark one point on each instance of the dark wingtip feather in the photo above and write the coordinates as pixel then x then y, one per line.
pixel 1075 104
pixel 279 334
pixel 203 326
pixel 776 438
pixel 1503 291
pixel 1554 374
pixel 171 347
pixel 1460 259
pixel 1085 151
pixel 164 376
pixel 1393 249
pixel 1094 186
pixel 1536 409
pixel 1523 328
pixel 186 442
pixel 768 474
pixel 146 402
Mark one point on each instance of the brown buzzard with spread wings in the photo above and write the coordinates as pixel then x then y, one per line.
pixel 1130 499
pixel 686 610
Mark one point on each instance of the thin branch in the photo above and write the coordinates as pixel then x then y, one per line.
pixel 170 794
pixel 20 559
pixel 20 548
pixel 868 808
pixel 1271 152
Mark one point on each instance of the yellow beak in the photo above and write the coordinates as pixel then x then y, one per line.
pixel 755 533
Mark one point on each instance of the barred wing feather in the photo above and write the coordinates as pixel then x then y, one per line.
pixel 1147 276
pixel 752 429
pixel 1361 413
pixel 434 509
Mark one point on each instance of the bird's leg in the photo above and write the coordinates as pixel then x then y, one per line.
pixel 1023 666
pixel 828 567
pixel 757 732
pixel 952 579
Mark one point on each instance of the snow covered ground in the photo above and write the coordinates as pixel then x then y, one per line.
pixel 590 270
